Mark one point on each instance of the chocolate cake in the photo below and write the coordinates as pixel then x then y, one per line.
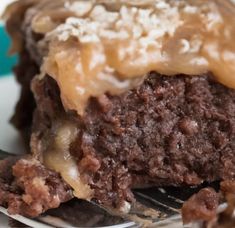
pixel 125 94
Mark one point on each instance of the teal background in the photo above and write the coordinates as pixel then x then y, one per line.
pixel 6 61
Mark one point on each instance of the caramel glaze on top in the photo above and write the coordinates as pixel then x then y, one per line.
pixel 102 46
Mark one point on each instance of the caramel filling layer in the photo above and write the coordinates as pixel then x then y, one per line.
pixel 110 45
pixel 58 158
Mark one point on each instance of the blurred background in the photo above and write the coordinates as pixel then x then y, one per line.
pixel 6 61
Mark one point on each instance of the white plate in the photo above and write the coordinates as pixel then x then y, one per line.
pixel 10 139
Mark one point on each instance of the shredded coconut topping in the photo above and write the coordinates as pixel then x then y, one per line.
pixel 99 46
pixel 129 22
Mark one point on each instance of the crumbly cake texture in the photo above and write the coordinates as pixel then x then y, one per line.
pixel 28 188
pixel 203 207
pixel 169 131
pixel 177 130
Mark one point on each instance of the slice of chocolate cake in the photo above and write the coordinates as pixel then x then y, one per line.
pixel 126 94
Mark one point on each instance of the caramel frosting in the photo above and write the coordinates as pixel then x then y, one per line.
pixel 94 47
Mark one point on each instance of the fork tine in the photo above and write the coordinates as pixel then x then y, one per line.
pixel 160 197
pixel 157 203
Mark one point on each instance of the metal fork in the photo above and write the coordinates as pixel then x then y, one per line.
pixel 155 207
